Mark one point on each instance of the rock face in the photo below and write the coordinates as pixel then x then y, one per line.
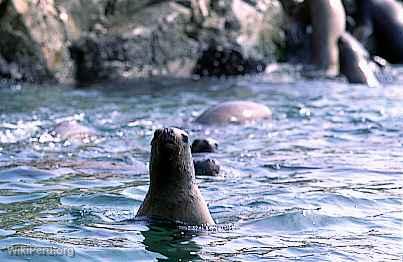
pixel 32 42
pixel 96 40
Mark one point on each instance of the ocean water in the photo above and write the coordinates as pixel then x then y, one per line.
pixel 320 181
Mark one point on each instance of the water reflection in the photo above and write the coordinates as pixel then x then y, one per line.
pixel 173 244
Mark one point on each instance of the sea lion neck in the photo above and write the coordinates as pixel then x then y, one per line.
pixel 171 163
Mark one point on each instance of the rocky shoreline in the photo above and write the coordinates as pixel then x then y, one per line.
pixel 86 41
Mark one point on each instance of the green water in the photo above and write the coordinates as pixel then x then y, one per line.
pixel 321 181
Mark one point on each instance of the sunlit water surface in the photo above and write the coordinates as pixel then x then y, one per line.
pixel 321 181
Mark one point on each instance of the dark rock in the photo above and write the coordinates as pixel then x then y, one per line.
pixel 109 39
pixel 89 55
pixel 9 71
pixel 297 44
pixel 166 38
pixel 222 61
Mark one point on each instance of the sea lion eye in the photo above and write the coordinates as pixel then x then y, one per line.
pixel 185 138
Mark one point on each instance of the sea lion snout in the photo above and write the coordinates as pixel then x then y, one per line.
pixel 170 137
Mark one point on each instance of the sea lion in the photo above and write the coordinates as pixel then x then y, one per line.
pixel 381 21
pixel 73 130
pixel 355 62
pixel 234 112
pixel 173 194
pixel 328 21
pixel 204 145
pixel 206 167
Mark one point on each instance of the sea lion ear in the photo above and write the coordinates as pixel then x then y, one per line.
pixel 185 138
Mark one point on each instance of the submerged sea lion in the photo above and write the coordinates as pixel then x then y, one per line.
pixel 382 20
pixel 328 20
pixel 73 130
pixel 173 194
pixel 234 112
pixel 204 145
pixel 355 62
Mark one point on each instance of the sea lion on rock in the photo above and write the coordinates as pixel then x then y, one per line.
pixel 204 145
pixel 355 62
pixel 173 194
pixel 234 112
pixel 328 20
pixel 382 20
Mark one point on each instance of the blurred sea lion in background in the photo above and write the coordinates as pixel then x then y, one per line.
pixel 355 62
pixel 328 21
pixel 73 130
pixel 204 145
pixel 238 112
pixel 206 167
pixel 381 21
pixel 173 194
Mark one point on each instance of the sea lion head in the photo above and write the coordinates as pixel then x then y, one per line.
pixel 171 159
pixel 206 167
pixel 204 145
